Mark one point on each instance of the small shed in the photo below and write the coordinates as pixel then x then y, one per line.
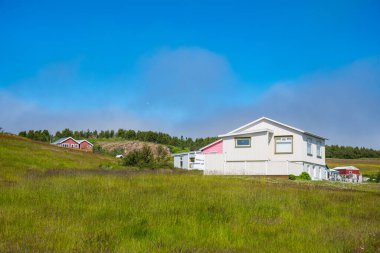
pixel 189 160
pixel 349 174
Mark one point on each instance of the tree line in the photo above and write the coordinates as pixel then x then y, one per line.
pixel 347 152
pixel 182 143
pixel 333 151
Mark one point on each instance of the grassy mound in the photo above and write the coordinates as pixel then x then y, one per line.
pixel 19 155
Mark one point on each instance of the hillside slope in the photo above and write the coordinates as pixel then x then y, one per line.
pixel 128 146
pixel 366 165
pixel 19 155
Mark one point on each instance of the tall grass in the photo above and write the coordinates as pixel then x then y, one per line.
pixel 68 204
pixel 185 213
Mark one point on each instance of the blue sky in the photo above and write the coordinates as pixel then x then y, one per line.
pixel 192 68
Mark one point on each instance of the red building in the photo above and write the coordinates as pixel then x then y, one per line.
pixel 69 142
pixel 347 170
pixel 349 174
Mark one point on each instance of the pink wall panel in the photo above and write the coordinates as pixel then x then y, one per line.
pixel 85 145
pixel 215 148
pixel 69 141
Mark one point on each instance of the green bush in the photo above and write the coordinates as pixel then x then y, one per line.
pixel 292 177
pixel 132 159
pixel 304 176
pixel 97 149
pixel 374 178
pixel 144 158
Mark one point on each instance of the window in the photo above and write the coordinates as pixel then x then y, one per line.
pixel 309 151
pixel 319 150
pixel 284 145
pixel 243 142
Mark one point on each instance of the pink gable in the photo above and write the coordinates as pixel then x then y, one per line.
pixel 217 147
pixel 69 141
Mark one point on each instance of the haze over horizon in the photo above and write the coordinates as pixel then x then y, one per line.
pixel 192 68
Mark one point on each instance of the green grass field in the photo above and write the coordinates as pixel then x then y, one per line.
pixel 53 208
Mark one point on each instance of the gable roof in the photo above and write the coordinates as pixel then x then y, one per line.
pixel 80 141
pixel 60 140
pixel 245 132
pixel 236 131
pixel 346 168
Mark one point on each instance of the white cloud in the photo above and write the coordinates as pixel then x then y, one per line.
pixel 191 92
pixel 17 115
pixel 343 105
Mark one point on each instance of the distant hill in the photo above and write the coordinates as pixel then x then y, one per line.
pixel 19 155
pixel 366 165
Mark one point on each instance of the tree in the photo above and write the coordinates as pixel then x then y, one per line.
pixel 22 134
pixel 67 132
pixel 120 133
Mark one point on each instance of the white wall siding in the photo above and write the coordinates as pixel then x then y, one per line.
pixel 299 144
pixel 257 151
pixel 215 164
pixel 185 161
pixel 177 162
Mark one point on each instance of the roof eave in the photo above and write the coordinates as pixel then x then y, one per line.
pixel 245 133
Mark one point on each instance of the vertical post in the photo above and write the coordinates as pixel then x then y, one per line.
pixel 204 165
pixel 287 166
pixel 224 163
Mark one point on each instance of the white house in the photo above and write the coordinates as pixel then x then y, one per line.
pixel 266 147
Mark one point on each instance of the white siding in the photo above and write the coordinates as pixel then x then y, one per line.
pixel 215 164
pixel 257 151
pixel 185 161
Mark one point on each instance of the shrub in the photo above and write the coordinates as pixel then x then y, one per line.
pixel 161 152
pixel 146 155
pixel 292 177
pixel 97 149
pixel 132 159
pixel 304 176
pixel 144 158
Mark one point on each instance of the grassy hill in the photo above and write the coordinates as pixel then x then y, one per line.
pixel 19 155
pixel 92 209
pixel 366 165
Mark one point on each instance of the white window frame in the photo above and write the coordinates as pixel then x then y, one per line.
pixel 319 149
pixel 309 146
pixel 242 146
pixel 283 139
